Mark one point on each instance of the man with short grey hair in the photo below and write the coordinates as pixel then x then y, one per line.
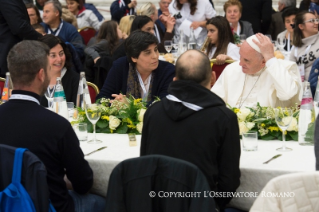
pixel 277 25
pixel 258 77
pixel 25 123
pixel 53 24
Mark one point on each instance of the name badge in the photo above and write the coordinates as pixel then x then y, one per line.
pixel 302 72
pixel 132 139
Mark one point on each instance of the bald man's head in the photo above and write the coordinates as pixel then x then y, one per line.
pixel 194 65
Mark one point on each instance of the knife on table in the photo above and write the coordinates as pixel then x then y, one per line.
pixel 95 150
pixel 276 156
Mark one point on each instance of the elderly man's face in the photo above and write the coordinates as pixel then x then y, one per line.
pixel 164 5
pixel 250 60
pixel 50 14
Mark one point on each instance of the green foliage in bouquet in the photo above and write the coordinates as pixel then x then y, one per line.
pixel 236 38
pixel 262 120
pixel 117 117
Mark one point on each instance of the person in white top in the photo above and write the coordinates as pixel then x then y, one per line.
pixel 195 11
pixel 306 43
pixel 259 78
pixel 221 45
pixel 85 18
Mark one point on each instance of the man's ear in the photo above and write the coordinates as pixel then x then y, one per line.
pixel 41 75
pixel 175 79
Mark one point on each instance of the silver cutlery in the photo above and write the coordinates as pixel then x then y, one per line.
pixel 276 156
pixel 95 150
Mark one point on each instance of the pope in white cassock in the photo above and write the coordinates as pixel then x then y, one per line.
pixel 259 77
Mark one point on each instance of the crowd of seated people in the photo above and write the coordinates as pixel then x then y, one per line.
pixel 128 48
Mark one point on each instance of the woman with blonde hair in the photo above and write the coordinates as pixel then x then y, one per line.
pixel 150 10
pixel 125 25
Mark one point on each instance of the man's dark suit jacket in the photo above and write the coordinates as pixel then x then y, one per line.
pixel 14 27
pixel 258 13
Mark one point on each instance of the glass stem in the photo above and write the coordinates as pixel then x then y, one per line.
pixel 94 132
pixel 284 140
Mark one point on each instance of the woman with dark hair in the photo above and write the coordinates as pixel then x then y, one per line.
pixel 221 45
pixel 143 23
pixel 60 62
pixel 106 40
pixel 85 18
pixel 306 42
pixel 195 11
pixel 140 74
pixel 34 14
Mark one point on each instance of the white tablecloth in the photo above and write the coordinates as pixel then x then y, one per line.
pixel 254 174
pixel 104 161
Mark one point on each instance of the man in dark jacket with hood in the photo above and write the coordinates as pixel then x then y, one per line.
pixel 193 124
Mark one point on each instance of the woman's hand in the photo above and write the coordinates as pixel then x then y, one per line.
pixel 220 59
pixel 124 35
pixel 132 4
pixel 195 24
pixel 170 23
pixel 120 97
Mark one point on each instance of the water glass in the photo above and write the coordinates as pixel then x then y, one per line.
pixel 250 141
pixel 242 38
pixel 81 131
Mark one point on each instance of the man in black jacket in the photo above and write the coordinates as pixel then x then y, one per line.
pixel 193 124
pixel 14 27
pixel 258 13
pixel 24 123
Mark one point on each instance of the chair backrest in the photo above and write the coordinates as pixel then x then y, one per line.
pixel 87 33
pixel 218 69
pixel 139 184
pixel 298 192
pixel 93 90
pixel 34 176
pixel 2 81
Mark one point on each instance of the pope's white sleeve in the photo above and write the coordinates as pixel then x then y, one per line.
pixel 285 77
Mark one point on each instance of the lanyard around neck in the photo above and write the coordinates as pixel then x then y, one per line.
pixel 288 45
pixel 145 90
pixel 306 52
pixel 24 97
pixel 59 29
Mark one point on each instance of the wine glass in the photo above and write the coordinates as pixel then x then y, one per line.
pixel 242 38
pixel 269 36
pixel 168 45
pixel 281 43
pixel 93 113
pixel 175 43
pixel 283 118
pixel 49 94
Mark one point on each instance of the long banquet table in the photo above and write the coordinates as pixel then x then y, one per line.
pixel 254 174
